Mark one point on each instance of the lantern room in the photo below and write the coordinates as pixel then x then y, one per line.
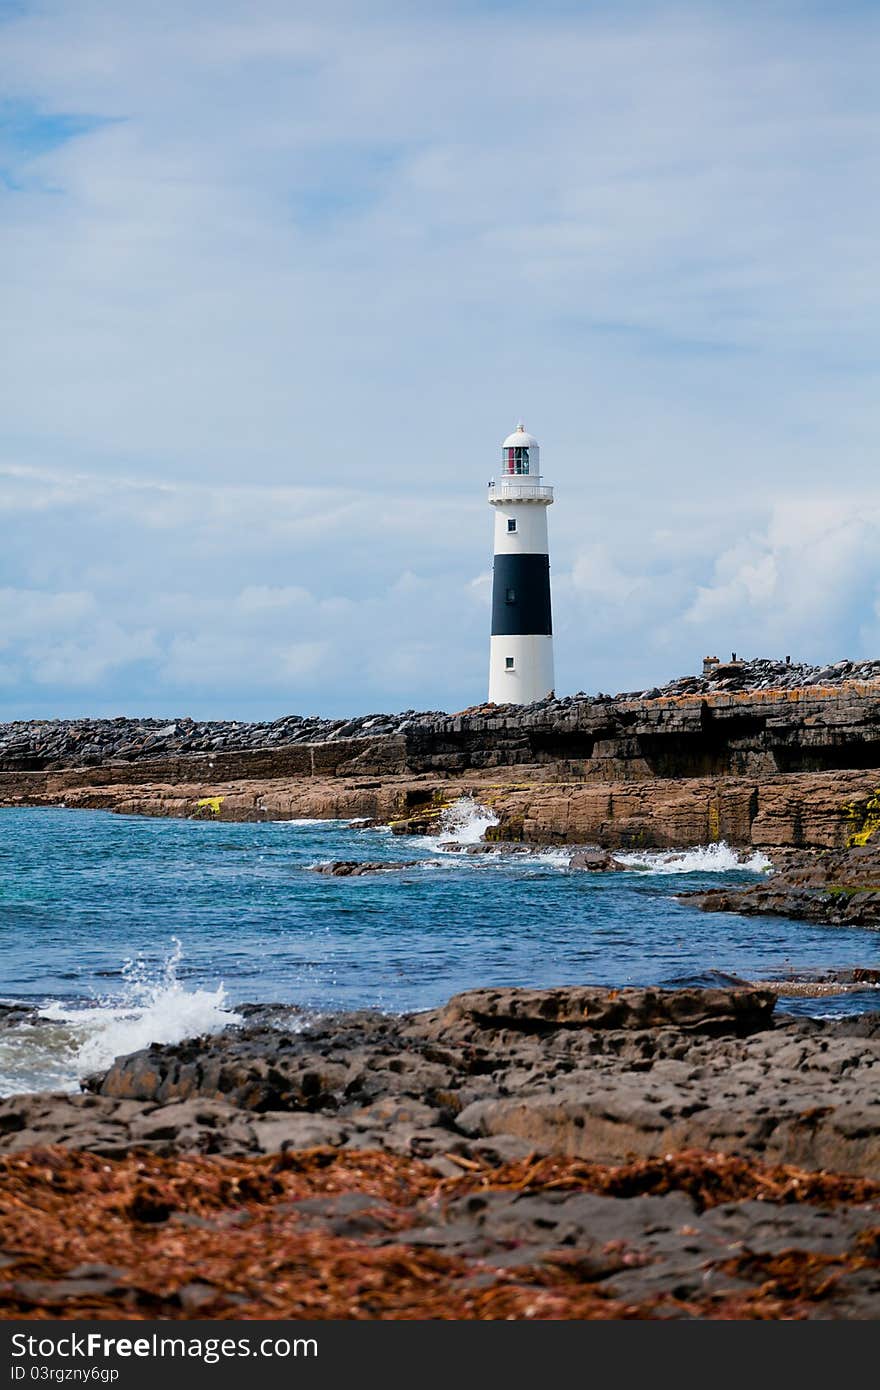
pixel 520 455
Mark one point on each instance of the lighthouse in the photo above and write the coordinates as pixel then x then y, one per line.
pixel 521 645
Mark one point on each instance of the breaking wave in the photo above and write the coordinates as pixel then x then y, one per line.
pixel 702 859
pixel 65 1042
pixel 464 822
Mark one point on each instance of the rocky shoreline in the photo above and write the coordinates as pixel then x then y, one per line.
pixel 762 754
pixel 604 1152
pixel 593 1073
pixel 517 1153
pixel 54 744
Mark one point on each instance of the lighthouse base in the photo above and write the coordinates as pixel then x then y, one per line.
pixel 520 669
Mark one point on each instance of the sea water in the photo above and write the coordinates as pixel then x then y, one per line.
pixel 122 930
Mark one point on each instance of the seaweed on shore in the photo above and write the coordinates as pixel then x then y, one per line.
pixel 328 1234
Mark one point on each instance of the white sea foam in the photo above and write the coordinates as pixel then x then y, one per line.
pixel 67 1041
pixel 464 822
pixel 702 859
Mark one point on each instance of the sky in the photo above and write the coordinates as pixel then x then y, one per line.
pixel 277 278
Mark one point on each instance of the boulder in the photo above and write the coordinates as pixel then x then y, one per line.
pixel 596 861
pixel 355 868
pixel 716 1011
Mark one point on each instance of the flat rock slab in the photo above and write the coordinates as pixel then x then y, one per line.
pixel 705 1010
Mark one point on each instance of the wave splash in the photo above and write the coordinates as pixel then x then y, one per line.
pixel 702 859
pixel 154 1008
pixel 68 1041
pixel 464 822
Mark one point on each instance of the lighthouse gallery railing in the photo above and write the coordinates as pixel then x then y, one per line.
pixel 519 492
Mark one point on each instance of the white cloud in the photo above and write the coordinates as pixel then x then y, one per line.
pixel 215 272
pixel 85 664
pixel 809 579
pixel 28 612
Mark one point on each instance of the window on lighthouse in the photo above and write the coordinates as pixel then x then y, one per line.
pixel 508 663
pixel 515 461
pixel 511 523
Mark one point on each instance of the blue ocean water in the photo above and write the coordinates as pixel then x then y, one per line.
pixel 128 929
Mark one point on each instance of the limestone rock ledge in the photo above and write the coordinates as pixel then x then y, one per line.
pixel 761 764
pixel 802 810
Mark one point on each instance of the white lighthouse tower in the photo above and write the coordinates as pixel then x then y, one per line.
pixel 521 646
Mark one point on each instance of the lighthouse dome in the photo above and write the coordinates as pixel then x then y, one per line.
pixel 520 439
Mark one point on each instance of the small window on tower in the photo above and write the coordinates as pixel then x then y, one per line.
pixel 511 523
pixel 508 663
pixel 511 596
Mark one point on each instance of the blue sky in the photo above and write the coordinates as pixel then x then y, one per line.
pixel 277 279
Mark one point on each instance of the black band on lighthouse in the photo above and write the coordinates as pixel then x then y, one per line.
pixel 521 596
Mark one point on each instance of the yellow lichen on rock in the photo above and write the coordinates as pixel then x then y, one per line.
pixel 209 803
pixel 865 819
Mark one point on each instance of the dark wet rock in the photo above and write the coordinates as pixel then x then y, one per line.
pixel 597 861
pixel 488 847
pixel 586 857
pixel 833 887
pixel 356 868
pixel 14 1015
